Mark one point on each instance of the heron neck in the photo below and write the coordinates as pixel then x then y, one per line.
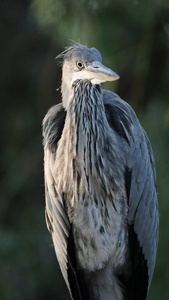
pixel 87 145
pixel 67 93
pixel 87 127
pixel 88 115
pixel 84 136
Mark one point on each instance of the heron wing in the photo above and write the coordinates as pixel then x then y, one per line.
pixel 143 211
pixel 56 216
pixel 141 193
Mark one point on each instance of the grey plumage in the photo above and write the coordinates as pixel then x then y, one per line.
pixel 100 186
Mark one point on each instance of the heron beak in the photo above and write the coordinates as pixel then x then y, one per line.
pixel 99 73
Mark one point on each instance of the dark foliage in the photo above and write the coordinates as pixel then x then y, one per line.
pixel 133 39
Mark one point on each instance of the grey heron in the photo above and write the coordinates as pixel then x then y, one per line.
pixel 100 185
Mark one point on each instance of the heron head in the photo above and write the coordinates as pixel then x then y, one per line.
pixel 81 62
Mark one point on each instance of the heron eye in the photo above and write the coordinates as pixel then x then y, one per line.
pixel 79 65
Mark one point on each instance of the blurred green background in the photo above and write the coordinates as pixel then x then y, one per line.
pixel 133 37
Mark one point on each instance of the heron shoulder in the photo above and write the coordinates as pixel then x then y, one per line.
pixel 52 126
pixel 120 115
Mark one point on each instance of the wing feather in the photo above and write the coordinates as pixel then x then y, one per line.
pixel 141 192
pixel 56 215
